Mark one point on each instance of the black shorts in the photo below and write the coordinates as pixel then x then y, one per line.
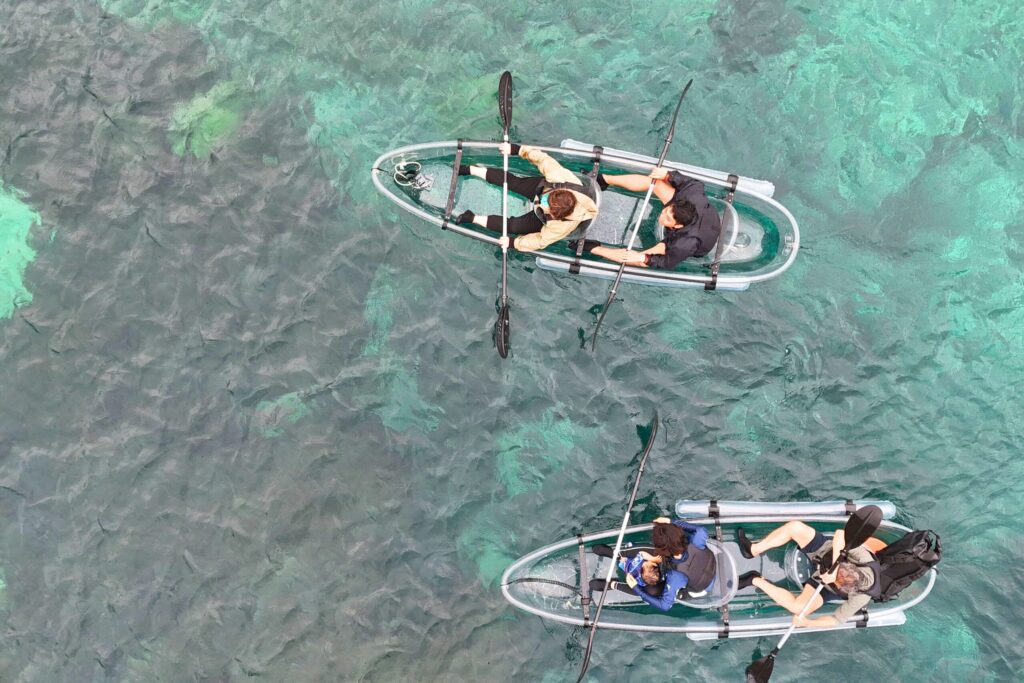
pixel 810 551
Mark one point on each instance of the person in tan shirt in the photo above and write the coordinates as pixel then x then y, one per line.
pixel 855 582
pixel 560 200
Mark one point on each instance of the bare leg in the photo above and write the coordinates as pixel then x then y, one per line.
pixel 790 531
pixel 783 598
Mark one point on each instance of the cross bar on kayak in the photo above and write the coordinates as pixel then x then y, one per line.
pixel 574 268
pixel 714 511
pixel 451 190
pixel 720 247
pixel 584 589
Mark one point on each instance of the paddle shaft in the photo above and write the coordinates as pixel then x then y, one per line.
pixel 803 612
pixel 504 224
pixel 618 547
pixel 640 216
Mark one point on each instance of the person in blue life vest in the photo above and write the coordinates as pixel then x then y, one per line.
pixel 855 582
pixel 692 225
pixel 686 562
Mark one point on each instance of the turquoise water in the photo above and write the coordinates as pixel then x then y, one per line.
pixel 254 422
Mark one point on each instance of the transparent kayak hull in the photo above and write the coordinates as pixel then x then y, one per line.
pixel 564 571
pixel 760 240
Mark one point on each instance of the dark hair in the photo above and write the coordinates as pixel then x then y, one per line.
pixel 668 540
pixel 847 577
pixel 683 212
pixel 650 572
pixel 561 203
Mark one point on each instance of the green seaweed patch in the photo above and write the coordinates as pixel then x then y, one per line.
pixel 878 95
pixel 953 650
pixel 377 310
pixel 16 221
pixel 528 453
pixel 152 12
pixel 749 427
pixel 401 408
pixel 204 123
pixel 678 328
pixel 738 437
pixel 486 540
pixel 347 124
pixel 272 417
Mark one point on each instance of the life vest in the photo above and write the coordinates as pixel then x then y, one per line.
pixel 699 565
pixel 875 567
pixel 586 187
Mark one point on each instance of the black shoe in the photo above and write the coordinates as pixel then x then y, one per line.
pixel 602 550
pixel 466 217
pixel 463 169
pixel 601 182
pixel 744 543
pixel 747 580
pixel 597 585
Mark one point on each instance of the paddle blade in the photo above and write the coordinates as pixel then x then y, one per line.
pixel 501 332
pixel 862 524
pixel 505 100
pixel 761 670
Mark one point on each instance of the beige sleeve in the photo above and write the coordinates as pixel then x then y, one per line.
pixel 853 605
pixel 548 167
pixel 860 555
pixel 549 234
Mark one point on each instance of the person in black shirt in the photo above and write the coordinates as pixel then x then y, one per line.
pixel 691 224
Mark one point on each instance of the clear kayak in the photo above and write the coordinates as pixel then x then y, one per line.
pixel 759 241
pixel 553 582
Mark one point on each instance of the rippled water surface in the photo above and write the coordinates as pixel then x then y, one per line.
pixel 253 424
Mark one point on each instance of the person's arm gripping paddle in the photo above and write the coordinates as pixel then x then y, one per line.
pixel 859 527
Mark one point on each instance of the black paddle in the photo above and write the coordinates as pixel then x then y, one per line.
pixel 859 528
pixel 618 545
pixel 501 327
pixel 640 217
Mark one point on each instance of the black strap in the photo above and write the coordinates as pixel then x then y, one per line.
pixel 714 511
pixel 862 618
pixel 584 594
pixel 717 263
pixel 574 267
pixel 451 190
pixel 734 181
pixel 598 151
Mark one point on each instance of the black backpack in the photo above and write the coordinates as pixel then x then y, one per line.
pixel 905 560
